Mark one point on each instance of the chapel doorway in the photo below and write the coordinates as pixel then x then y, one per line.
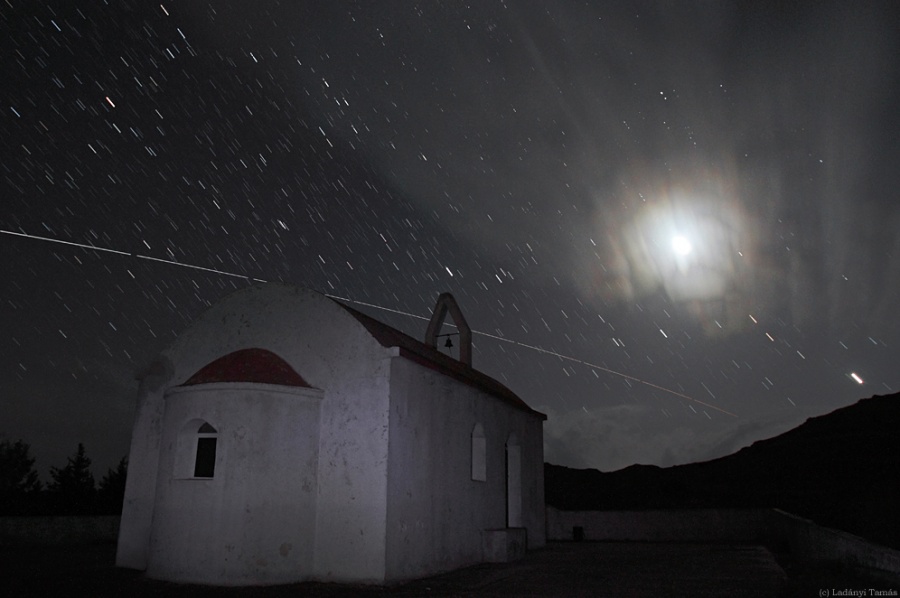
pixel 513 482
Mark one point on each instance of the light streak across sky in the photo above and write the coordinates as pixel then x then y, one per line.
pixel 136 255
pixel 371 305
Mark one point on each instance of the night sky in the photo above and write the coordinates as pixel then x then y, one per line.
pixel 675 225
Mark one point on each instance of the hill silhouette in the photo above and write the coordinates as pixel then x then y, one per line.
pixel 841 470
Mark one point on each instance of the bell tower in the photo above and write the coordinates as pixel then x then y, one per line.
pixel 446 303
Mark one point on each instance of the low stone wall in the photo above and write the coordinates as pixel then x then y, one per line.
pixel 52 531
pixel 802 538
pixel 809 541
pixel 693 525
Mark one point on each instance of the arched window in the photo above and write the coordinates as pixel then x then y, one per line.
pixel 205 460
pixel 479 449
pixel 196 451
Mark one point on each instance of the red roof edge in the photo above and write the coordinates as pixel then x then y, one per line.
pixel 421 353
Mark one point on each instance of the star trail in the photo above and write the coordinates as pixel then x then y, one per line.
pixel 675 225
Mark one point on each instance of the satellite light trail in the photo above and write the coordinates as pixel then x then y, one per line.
pixel 372 305
pixel 856 378
pixel 604 369
pixel 137 255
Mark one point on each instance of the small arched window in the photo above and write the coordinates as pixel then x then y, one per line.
pixel 205 459
pixel 479 450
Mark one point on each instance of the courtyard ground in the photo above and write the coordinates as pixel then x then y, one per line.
pixel 594 569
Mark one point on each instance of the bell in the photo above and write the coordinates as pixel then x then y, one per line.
pixel 449 343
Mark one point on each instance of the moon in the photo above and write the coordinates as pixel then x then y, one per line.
pixel 681 245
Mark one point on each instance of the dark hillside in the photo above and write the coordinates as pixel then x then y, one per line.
pixel 841 470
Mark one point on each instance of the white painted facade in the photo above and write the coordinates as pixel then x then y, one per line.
pixel 387 461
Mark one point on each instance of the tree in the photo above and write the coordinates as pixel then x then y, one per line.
pixel 112 489
pixel 20 488
pixel 72 490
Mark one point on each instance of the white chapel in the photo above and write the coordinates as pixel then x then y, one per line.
pixel 287 437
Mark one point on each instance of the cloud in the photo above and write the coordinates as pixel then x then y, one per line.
pixel 611 438
pixel 607 438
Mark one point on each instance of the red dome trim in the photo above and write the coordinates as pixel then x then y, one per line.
pixel 248 365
